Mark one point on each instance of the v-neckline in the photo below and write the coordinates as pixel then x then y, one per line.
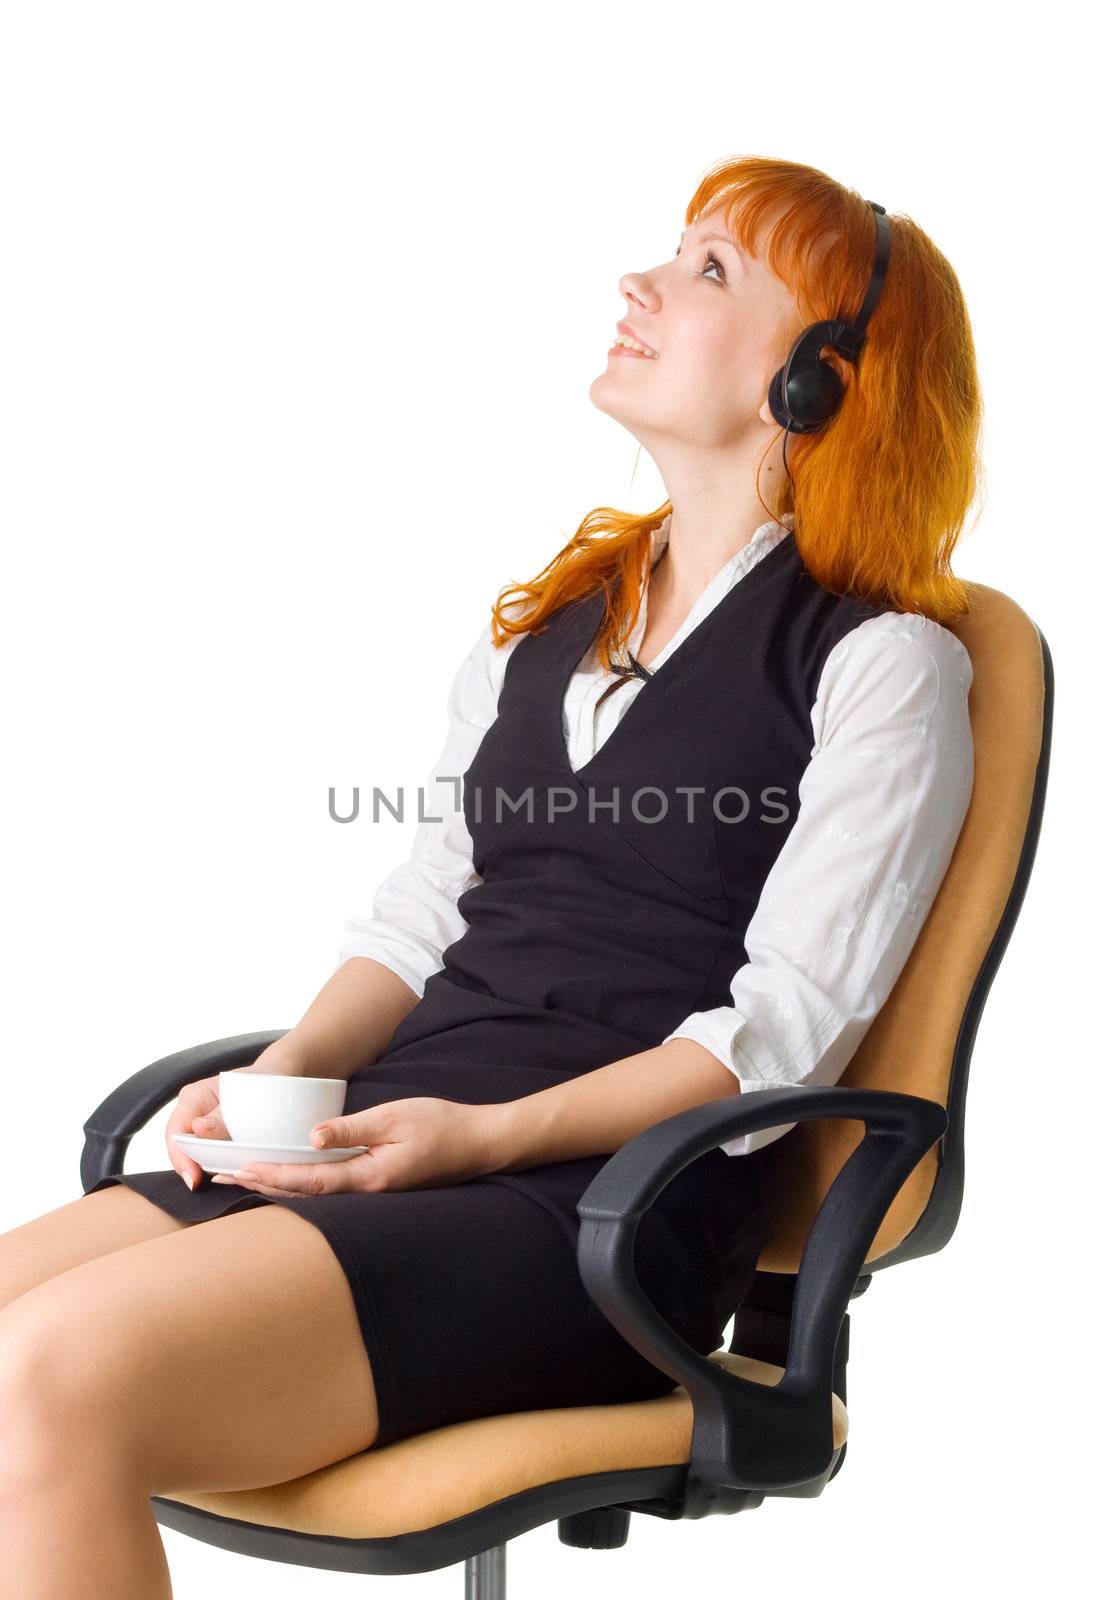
pixel 591 614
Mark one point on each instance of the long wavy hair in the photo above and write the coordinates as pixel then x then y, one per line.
pixel 879 496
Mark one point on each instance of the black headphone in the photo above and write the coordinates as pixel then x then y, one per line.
pixel 806 392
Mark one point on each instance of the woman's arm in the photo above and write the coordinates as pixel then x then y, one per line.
pixel 392 946
pixel 882 802
pixel 347 1026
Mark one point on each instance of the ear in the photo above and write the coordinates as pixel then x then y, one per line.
pixel 841 365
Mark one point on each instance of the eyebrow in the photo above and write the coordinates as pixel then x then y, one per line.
pixel 723 237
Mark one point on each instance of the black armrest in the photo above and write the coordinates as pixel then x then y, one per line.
pixel 129 1107
pixel 748 1435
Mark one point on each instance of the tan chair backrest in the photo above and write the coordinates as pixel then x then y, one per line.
pixel 911 1044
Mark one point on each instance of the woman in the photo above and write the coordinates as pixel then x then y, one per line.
pixel 731 745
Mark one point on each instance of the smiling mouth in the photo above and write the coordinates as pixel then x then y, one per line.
pixel 626 341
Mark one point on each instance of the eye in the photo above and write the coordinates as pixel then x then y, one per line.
pixel 709 261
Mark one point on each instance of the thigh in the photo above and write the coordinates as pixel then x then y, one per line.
pixel 79 1231
pixel 225 1356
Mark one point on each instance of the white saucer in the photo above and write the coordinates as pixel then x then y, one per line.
pixel 226 1155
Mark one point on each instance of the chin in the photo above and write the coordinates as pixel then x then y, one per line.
pixel 604 395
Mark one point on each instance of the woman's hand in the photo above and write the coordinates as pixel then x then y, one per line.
pixel 197 1111
pixel 421 1143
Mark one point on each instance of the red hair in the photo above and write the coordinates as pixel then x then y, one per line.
pixel 881 494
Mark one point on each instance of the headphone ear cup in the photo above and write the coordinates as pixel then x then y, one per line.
pixel 813 395
pixel 775 400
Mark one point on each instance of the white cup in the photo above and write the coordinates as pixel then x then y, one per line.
pixel 272 1108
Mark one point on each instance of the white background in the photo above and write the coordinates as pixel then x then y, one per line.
pixel 301 304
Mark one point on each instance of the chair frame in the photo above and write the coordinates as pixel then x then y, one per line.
pixel 748 1439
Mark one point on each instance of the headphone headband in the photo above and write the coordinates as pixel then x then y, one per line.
pixel 853 336
pixel 805 393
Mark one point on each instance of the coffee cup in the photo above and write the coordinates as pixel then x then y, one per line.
pixel 270 1108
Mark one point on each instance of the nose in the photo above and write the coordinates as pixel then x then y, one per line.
pixel 637 290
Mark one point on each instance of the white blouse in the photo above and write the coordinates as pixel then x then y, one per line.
pixel 881 804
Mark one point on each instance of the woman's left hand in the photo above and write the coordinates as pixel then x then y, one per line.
pixel 421 1143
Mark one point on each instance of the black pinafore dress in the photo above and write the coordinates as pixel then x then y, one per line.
pixel 613 903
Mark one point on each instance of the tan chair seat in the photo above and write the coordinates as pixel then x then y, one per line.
pixel 429 1478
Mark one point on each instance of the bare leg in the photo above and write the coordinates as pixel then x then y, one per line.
pixel 92 1533
pixel 79 1231
pixel 225 1356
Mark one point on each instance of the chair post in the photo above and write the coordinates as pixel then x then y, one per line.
pixel 485 1574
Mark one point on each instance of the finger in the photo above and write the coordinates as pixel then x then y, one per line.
pixel 210 1126
pixel 357 1127
pixel 289 1177
pixel 254 1187
pixel 187 1169
pixel 206 1125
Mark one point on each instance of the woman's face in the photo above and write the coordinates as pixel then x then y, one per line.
pixel 721 324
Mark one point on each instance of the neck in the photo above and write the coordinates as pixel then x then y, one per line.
pixel 684 563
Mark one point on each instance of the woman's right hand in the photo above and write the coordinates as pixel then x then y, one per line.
pixel 197 1111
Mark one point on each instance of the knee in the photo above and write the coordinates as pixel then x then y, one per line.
pixel 52 1416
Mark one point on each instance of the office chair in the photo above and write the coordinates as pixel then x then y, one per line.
pixel 871 1175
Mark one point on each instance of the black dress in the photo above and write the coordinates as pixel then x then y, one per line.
pixel 612 904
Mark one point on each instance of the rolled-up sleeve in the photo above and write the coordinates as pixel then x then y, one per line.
pixel 412 916
pixel 881 805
